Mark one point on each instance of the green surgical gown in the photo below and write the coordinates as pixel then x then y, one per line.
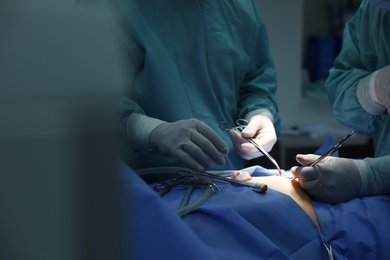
pixel 366 48
pixel 203 59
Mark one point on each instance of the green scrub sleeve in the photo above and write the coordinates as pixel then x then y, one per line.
pixel 258 91
pixel 353 64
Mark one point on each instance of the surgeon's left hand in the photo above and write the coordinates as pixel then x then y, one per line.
pixel 261 130
pixel 332 180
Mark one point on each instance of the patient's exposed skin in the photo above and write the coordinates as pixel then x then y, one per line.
pixel 292 189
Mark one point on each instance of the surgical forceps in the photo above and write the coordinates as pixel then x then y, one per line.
pixel 257 187
pixel 192 182
pixel 241 124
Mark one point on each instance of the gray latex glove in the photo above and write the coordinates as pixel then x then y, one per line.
pixel 332 180
pixel 191 141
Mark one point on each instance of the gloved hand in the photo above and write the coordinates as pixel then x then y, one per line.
pixel 373 91
pixel 261 130
pixel 332 180
pixel 191 141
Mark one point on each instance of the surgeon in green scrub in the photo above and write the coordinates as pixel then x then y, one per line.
pixel 359 89
pixel 193 64
pixel 359 83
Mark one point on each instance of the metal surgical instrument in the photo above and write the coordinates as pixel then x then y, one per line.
pixel 333 149
pixel 258 187
pixel 241 124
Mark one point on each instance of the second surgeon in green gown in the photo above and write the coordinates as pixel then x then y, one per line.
pixel 359 89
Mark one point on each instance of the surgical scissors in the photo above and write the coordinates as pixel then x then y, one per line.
pixel 241 124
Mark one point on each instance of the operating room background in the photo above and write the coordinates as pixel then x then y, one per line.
pixel 307 119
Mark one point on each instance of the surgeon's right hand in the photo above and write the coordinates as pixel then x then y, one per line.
pixel 190 141
pixel 332 180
